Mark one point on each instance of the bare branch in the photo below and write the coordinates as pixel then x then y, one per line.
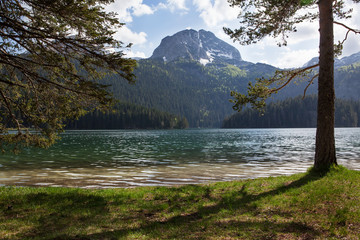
pixel 293 76
pixel 348 28
pixel 311 81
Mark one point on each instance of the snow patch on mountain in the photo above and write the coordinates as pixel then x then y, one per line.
pixel 202 46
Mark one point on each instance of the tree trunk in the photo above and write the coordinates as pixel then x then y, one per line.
pixel 325 155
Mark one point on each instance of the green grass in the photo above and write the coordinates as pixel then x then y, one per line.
pixel 302 206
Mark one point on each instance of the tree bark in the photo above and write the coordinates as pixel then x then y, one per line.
pixel 325 154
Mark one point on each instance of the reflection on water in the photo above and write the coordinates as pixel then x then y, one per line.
pixel 126 158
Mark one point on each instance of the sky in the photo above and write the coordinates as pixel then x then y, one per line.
pixel 149 21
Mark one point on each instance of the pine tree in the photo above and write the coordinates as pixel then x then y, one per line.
pixel 260 18
pixel 51 55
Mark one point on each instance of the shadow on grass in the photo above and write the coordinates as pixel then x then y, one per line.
pixel 197 223
pixel 77 210
pixel 46 213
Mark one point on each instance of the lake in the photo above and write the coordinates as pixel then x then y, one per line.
pixel 129 158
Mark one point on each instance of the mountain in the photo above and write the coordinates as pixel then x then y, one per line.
pixel 346 76
pixel 192 73
pixel 201 46
pixel 313 61
pixel 345 61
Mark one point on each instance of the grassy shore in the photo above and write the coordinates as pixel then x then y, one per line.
pixel 302 206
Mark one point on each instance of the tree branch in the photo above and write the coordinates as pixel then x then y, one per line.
pixel 293 76
pixel 311 81
pixel 348 28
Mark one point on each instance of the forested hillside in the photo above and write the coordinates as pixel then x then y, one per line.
pixel 129 116
pixel 187 88
pixel 294 113
pixel 192 73
pixel 347 81
pixel 201 93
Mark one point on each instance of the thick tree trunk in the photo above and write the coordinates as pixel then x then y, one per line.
pixel 325 155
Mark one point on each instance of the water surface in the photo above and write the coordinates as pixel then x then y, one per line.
pixel 128 158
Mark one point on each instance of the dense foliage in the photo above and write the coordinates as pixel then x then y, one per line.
pixel 201 93
pixel 51 55
pixel 129 116
pixel 294 113
pixel 187 88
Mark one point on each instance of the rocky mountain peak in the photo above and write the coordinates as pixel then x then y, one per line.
pixel 202 46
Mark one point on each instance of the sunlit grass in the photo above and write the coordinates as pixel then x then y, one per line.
pixel 302 206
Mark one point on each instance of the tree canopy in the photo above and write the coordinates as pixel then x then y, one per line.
pixel 262 18
pixel 277 18
pixel 52 54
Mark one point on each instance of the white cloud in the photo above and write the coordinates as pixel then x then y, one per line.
pixel 121 9
pixel 125 35
pixel 174 5
pixel 352 44
pixel 137 54
pixel 305 31
pixel 294 58
pixel 215 13
pixel 142 9
pixel 177 4
pixel 126 8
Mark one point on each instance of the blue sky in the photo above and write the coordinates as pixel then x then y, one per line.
pixel 147 22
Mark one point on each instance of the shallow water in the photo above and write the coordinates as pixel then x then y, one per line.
pixel 128 158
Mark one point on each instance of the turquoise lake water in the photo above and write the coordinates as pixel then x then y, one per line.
pixel 129 158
